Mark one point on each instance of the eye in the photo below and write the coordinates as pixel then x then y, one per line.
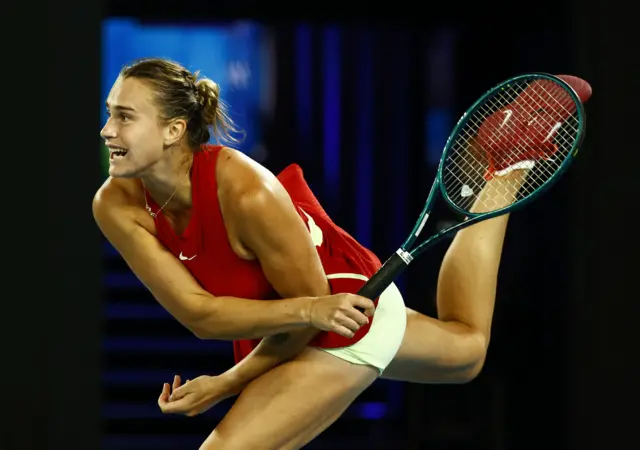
pixel 125 117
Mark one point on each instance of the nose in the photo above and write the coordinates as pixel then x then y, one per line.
pixel 108 131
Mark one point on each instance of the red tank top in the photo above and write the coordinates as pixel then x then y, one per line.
pixel 205 251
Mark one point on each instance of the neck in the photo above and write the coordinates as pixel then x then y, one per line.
pixel 169 177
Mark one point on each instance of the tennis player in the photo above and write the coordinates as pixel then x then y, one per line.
pixel 236 253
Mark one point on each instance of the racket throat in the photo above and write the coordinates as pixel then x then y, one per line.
pixel 386 275
pixel 418 231
pixel 405 255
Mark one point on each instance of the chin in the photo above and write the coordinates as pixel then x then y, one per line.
pixel 122 171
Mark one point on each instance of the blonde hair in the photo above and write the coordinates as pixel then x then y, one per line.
pixel 182 94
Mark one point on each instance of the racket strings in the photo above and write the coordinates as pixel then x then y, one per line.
pixel 478 182
pixel 470 174
pixel 560 138
pixel 539 105
pixel 466 164
pixel 521 149
pixel 511 127
pixel 467 140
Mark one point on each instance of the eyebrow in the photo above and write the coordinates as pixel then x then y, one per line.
pixel 120 107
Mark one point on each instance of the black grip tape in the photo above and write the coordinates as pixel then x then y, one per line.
pixel 389 271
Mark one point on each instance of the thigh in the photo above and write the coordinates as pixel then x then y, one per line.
pixel 434 351
pixel 291 404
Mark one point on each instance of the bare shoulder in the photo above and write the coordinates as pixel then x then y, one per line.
pixel 238 172
pixel 244 183
pixel 115 204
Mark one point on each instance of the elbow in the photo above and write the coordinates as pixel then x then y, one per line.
pixel 206 329
pixel 195 326
pixel 201 321
pixel 220 335
pixel 201 333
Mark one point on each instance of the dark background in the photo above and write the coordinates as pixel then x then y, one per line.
pixel 562 366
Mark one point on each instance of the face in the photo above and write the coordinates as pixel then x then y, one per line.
pixel 135 134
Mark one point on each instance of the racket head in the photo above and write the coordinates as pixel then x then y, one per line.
pixel 534 119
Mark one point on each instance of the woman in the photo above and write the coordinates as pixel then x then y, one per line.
pixel 209 232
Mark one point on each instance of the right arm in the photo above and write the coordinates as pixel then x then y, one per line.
pixel 179 293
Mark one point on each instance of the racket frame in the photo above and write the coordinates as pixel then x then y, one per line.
pixel 401 259
pixel 472 218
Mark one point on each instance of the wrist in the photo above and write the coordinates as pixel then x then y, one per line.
pixel 304 310
pixel 232 382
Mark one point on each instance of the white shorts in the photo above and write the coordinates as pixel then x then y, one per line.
pixel 380 345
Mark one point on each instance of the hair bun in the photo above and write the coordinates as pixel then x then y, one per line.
pixel 208 95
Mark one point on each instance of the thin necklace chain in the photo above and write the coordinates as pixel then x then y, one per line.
pixel 146 203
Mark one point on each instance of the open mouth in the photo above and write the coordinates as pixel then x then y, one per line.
pixel 117 153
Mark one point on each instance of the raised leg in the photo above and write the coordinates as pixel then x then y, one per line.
pixel 452 348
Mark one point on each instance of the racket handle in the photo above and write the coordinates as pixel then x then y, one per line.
pixel 386 275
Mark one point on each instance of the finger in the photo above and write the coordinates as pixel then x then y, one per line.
pixel 358 317
pixel 164 395
pixel 364 303
pixel 180 392
pixel 178 407
pixel 348 323
pixel 176 382
pixel 343 331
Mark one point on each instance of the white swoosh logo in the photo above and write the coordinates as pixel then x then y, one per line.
pixel 314 230
pixel 507 116
pixel 553 130
pixel 184 258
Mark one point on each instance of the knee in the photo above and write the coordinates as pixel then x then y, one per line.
pixel 472 372
pixel 475 361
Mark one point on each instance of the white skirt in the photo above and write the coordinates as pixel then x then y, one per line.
pixel 380 345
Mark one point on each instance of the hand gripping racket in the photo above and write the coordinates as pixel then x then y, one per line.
pixel 505 151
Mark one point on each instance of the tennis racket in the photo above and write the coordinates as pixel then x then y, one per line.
pixel 505 151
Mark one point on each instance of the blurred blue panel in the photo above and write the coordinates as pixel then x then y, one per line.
pixel 364 140
pixel 440 92
pixel 331 116
pixel 372 410
pixel 438 126
pixel 304 92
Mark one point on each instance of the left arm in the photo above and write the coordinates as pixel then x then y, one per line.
pixel 269 226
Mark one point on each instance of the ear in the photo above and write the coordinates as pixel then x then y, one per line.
pixel 174 131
